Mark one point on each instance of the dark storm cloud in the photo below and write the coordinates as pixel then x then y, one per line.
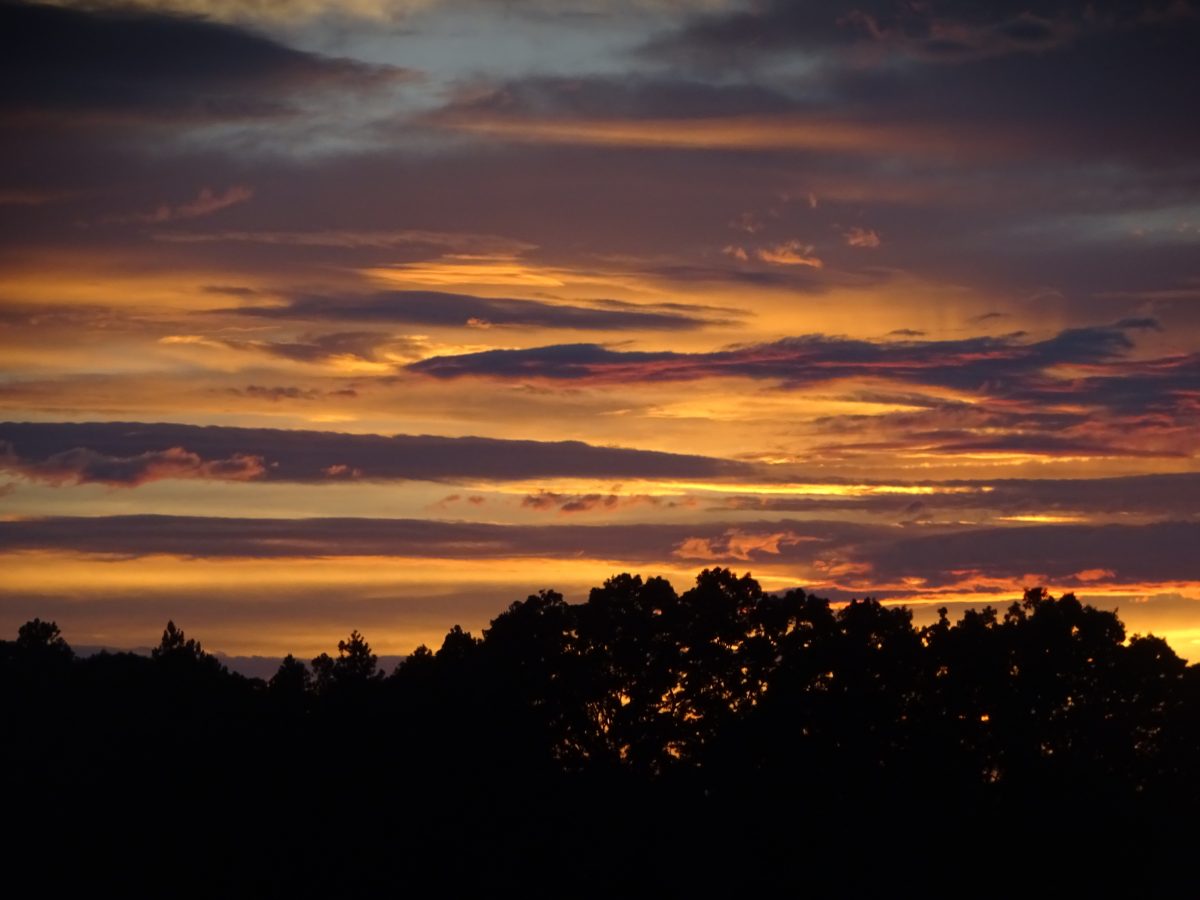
pixel 922 31
pixel 1122 408
pixel 84 466
pixel 980 363
pixel 271 538
pixel 1107 79
pixel 126 64
pixel 1170 496
pixel 39 450
pixel 1066 554
pixel 437 308
pixel 1162 386
pixel 1163 551
pixel 1130 105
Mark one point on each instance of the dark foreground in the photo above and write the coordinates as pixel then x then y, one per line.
pixel 721 742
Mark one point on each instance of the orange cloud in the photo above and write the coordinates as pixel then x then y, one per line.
pixel 737 544
pixel 861 237
pixel 341 470
pixel 720 133
pixel 789 253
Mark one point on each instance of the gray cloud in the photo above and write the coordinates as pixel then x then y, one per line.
pixel 1163 551
pixel 569 504
pixel 74 66
pixel 80 465
pixel 1010 67
pixel 963 32
pixel 940 556
pixel 65 452
pixel 993 364
pixel 627 97
pixel 271 538
pixel 437 308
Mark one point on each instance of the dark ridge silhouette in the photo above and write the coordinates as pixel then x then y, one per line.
pixel 644 742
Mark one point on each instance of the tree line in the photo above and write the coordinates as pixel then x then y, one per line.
pixel 644 738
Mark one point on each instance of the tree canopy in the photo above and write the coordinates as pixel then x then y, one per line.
pixel 687 721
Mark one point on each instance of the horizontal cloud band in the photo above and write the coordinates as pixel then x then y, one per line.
pixel 872 555
pixel 123 453
pixel 971 363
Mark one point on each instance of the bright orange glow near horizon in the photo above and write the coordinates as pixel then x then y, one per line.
pixel 400 611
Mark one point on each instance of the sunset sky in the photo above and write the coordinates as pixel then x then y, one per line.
pixel 383 314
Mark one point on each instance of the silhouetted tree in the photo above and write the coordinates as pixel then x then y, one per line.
pixel 355 666
pixel 323 678
pixel 532 650
pixel 355 659
pixel 627 743
pixel 708 627
pixel 631 666
pixel 183 656
pixel 42 637
pixel 175 644
pixel 291 681
pixel 457 647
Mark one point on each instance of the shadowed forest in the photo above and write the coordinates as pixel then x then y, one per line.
pixel 718 740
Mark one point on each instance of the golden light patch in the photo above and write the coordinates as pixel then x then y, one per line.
pixel 727 133
pixel 160 581
pixel 1042 518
